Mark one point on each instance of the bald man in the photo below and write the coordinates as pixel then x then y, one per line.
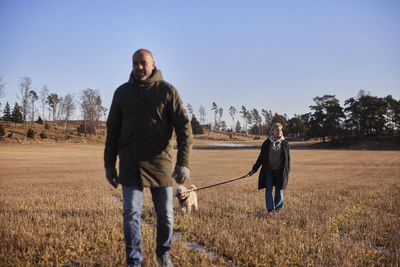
pixel 143 114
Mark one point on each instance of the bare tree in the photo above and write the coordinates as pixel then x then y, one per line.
pixel 267 114
pixel 49 109
pixel 53 102
pixel 43 97
pixel 248 118
pixel 215 108
pixel 220 113
pixel 24 88
pixel 60 109
pixel 69 108
pixel 91 106
pixel 256 119
pixel 202 112
pixel 189 108
pixel 32 99
pixel 232 112
pixel 244 114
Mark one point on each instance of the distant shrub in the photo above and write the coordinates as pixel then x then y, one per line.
pixel 39 120
pixel 30 133
pixel 90 129
pixel 2 131
pixel 196 127
pixel 206 126
pixel 43 135
pixel 46 126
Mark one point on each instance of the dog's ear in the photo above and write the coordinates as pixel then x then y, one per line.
pixel 192 187
pixel 176 191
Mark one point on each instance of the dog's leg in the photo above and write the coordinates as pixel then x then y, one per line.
pixel 195 206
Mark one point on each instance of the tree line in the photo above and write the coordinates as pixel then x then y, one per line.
pixel 363 115
pixel 34 106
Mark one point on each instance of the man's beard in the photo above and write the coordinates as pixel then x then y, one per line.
pixel 142 77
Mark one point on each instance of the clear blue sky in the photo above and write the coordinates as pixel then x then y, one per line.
pixel 275 55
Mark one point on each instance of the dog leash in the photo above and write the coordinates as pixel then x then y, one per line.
pixel 229 181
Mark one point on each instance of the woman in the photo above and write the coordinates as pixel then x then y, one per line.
pixel 274 160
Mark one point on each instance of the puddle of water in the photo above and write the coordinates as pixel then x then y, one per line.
pixel 383 249
pixel 116 197
pixel 203 251
pixel 176 235
pixel 347 239
pixel 190 245
pixel 227 144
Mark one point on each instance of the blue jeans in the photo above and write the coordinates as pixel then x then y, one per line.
pixel 271 203
pixel 163 204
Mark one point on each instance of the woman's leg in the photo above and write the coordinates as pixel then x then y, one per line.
pixel 278 199
pixel 269 200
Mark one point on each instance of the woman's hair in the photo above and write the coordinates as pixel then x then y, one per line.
pixel 276 125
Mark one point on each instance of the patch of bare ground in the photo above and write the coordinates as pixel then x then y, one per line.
pixel 341 209
pixel 17 133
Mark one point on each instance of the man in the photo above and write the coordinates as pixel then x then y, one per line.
pixel 143 114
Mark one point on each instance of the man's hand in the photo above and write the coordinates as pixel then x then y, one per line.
pixel 251 173
pixel 112 177
pixel 181 174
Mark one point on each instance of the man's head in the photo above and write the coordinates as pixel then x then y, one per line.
pixel 143 64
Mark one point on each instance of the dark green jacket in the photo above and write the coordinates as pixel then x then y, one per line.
pixel 262 161
pixel 140 124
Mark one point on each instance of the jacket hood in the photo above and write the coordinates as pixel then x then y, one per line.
pixel 156 76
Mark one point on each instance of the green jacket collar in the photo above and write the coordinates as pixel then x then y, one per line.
pixel 156 76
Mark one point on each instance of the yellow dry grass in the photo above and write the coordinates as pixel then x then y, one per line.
pixel 342 209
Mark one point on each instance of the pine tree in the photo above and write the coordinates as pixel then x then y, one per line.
pixel 238 127
pixel 16 115
pixel 7 113
pixel 196 127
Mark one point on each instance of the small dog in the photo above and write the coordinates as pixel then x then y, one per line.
pixel 187 198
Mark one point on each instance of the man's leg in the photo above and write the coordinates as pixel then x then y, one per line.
pixel 132 211
pixel 164 206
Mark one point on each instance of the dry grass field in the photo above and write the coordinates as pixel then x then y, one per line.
pixel 342 209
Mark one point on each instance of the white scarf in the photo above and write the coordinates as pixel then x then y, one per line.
pixel 276 143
